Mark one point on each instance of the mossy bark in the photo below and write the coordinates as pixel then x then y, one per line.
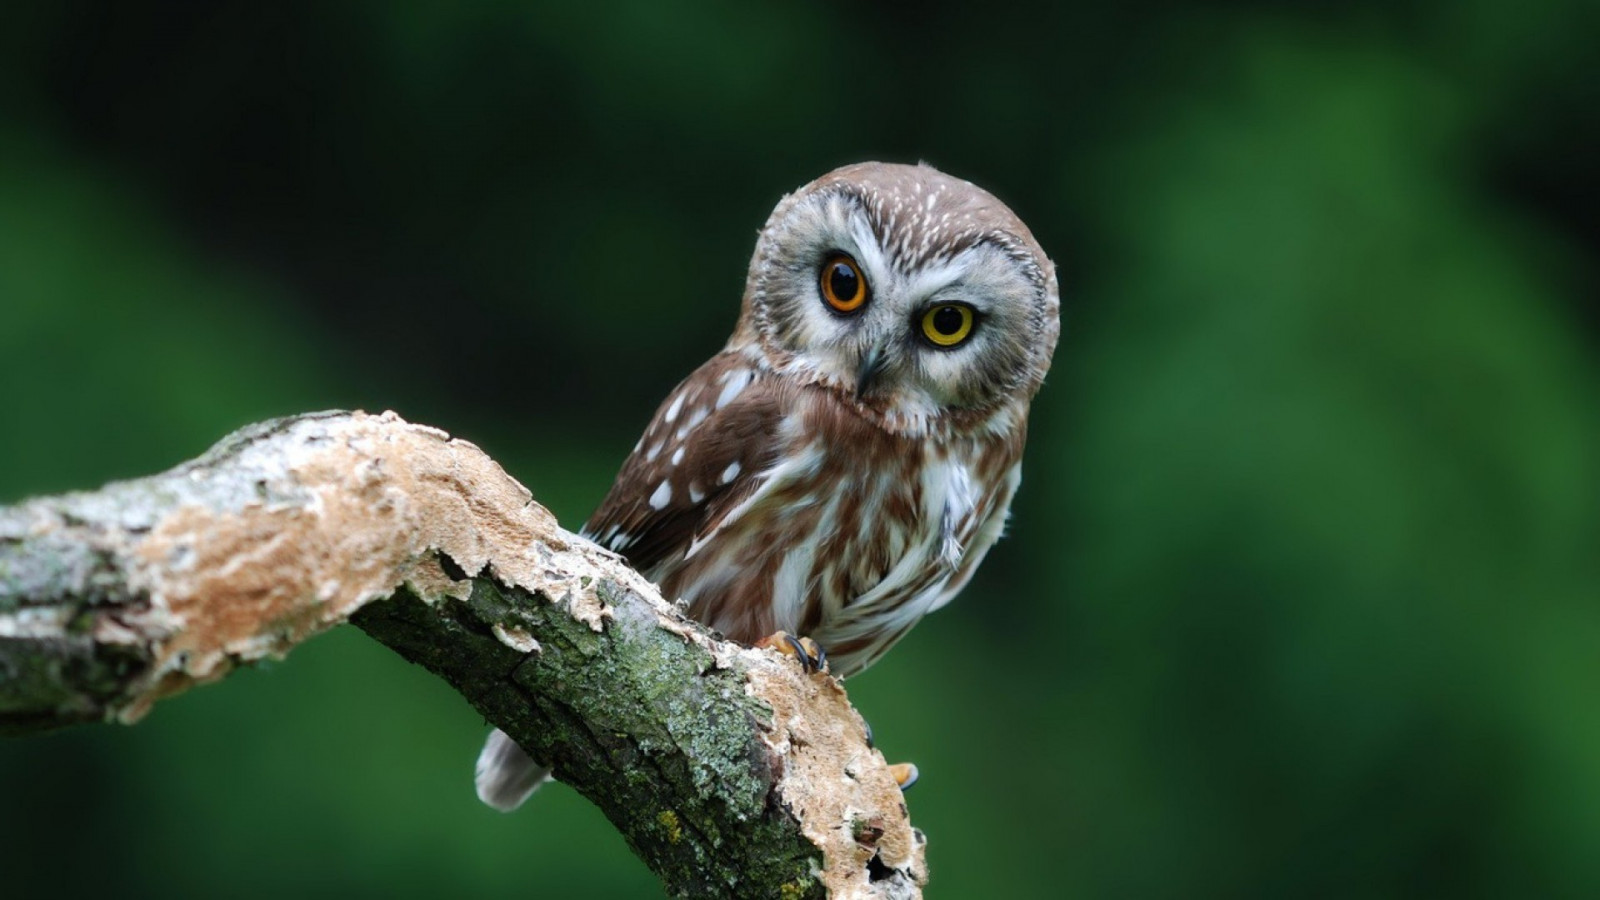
pixel 645 725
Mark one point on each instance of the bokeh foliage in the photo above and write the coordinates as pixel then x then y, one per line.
pixel 1301 598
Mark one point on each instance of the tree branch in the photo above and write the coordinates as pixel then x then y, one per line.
pixel 730 772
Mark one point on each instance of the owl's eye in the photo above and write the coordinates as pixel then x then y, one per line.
pixel 843 286
pixel 947 325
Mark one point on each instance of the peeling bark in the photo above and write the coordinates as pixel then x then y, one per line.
pixel 728 770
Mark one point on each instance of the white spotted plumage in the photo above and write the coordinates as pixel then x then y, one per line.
pixel 838 474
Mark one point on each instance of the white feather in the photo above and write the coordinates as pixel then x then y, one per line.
pixel 506 776
pixel 662 495
pixel 735 382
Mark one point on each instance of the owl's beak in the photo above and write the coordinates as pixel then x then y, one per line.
pixel 872 363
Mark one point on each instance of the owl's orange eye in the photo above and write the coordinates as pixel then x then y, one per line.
pixel 843 286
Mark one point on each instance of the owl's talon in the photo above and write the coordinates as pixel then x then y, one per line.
pixel 810 654
pixel 819 656
pixel 905 774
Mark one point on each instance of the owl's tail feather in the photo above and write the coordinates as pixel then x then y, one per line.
pixel 507 775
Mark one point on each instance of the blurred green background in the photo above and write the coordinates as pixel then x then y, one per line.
pixel 1301 595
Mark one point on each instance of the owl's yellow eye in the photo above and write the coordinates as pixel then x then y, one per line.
pixel 947 325
pixel 843 286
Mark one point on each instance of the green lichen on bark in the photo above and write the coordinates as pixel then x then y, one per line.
pixel 632 698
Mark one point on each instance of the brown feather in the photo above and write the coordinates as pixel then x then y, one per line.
pixel 740 431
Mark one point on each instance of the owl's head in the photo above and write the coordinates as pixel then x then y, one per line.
pixel 918 297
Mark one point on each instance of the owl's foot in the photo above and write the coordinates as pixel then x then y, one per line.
pixel 810 653
pixel 905 774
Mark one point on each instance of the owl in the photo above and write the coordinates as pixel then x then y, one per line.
pixel 842 466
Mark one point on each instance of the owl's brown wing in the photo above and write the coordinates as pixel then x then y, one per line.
pixel 706 450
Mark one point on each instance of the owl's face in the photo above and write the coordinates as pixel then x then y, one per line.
pixel 918 296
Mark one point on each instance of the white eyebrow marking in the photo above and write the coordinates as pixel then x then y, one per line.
pixel 662 496
pixel 933 279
